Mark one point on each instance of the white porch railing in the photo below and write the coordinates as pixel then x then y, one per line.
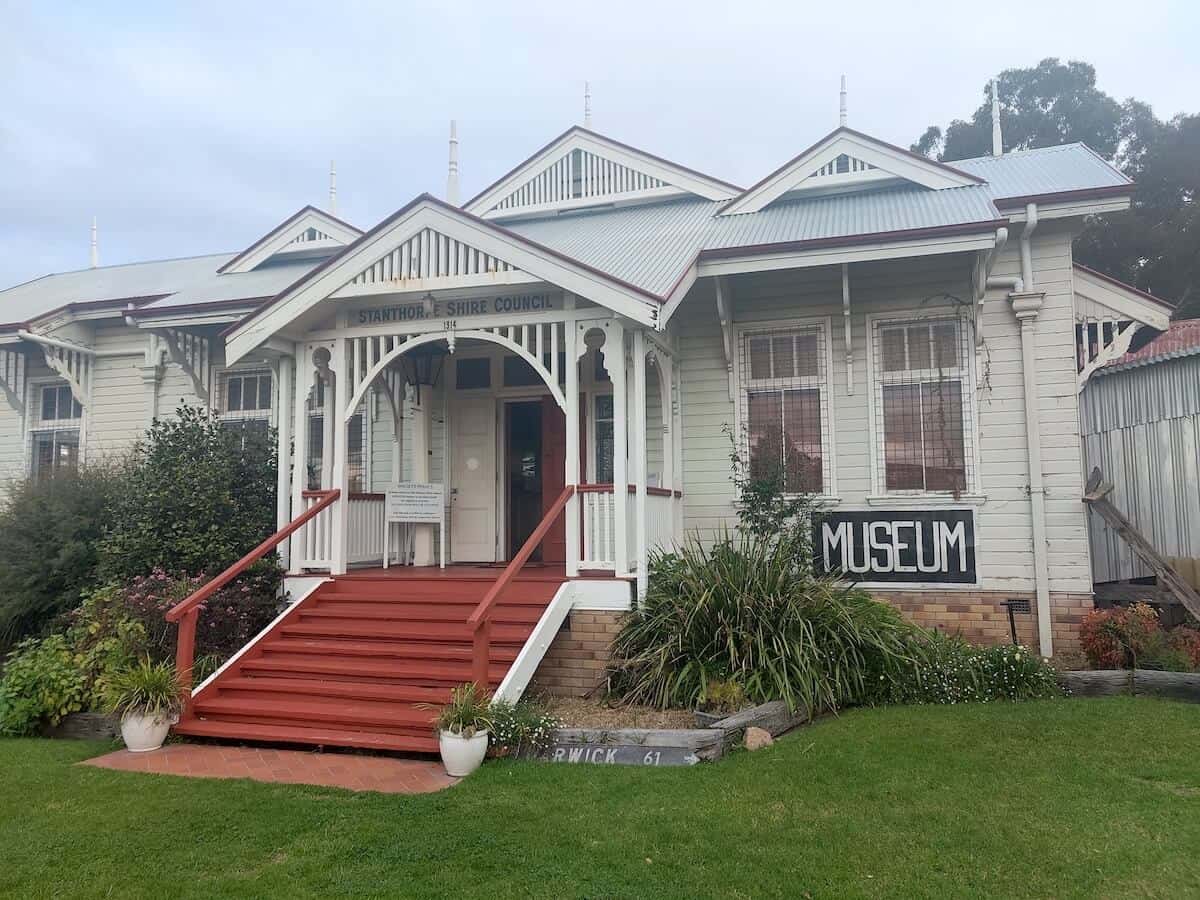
pixel 599 549
pixel 599 525
pixel 364 521
pixel 315 539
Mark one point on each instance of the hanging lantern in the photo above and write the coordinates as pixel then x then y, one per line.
pixel 423 366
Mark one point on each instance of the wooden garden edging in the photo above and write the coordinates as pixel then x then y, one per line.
pixel 1114 682
pixel 667 746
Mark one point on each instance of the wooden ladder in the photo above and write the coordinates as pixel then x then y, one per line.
pixel 1095 495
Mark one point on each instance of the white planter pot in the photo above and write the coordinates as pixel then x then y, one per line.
pixel 462 755
pixel 142 733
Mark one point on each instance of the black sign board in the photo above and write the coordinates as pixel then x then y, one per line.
pixel 935 546
pixel 619 755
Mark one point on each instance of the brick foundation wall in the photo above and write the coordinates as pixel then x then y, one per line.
pixel 980 619
pixel 579 655
pixel 577 658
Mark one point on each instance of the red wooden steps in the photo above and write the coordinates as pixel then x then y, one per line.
pixel 353 664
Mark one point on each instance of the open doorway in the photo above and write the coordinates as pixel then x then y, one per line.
pixel 534 448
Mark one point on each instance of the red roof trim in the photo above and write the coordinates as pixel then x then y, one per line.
pixel 1165 304
pixel 910 234
pixel 1111 190
pixel 859 134
pixel 291 220
pixel 84 306
pixel 581 130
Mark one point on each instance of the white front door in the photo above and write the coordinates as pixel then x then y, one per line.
pixel 473 480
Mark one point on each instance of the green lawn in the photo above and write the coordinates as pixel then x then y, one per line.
pixel 1062 798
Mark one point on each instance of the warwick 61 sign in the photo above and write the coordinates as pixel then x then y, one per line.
pixel 915 546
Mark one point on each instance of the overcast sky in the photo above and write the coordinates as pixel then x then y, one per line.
pixel 194 128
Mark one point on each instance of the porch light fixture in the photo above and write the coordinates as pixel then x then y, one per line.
pixel 423 366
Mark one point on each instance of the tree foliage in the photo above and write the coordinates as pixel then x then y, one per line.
pixel 49 530
pixel 1155 245
pixel 198 495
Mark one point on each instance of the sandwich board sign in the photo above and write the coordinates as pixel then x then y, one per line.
pixel 414 503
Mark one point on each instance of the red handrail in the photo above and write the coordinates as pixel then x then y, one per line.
pixel 187 611
pixel 479 622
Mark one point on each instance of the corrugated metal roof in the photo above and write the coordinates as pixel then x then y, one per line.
pixel 1182 338
pixel 649 246
pixel 1050 170
pixel 34 298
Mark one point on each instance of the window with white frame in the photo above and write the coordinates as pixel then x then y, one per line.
pixel 784 406
pixel 922 401
pixel 602 433
pixel 55 435
pixel 356 445
pixel 246 395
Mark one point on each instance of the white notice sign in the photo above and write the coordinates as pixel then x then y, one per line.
pixel 415 501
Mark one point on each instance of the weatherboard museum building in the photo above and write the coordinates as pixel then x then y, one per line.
pixel 552 370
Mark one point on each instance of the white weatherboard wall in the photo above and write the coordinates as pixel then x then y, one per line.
pixel 908 287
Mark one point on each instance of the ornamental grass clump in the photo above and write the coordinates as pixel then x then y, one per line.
pixel 748 611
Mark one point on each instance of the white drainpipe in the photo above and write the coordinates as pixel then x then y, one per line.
pixel 1026 304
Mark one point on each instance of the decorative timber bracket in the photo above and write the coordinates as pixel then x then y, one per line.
pixel 1097 343
pixel 73 365
pixel 13 373
pixel 725 317
pixel 193 354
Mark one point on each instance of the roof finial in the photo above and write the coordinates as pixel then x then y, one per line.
pixel 332 189
pixel 95 255
pixel 842 107
pixel 997 138
pixel 452 175
pixel 587 105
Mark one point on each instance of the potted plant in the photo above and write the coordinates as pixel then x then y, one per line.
pixel 462 728
pixel 148 699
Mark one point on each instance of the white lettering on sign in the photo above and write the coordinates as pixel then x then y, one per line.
pixel 415 501
pixel 917 547
pixel 443 309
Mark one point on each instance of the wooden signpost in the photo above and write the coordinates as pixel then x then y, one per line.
pixel 414 503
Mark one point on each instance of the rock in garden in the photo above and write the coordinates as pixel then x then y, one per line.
pixel 757 738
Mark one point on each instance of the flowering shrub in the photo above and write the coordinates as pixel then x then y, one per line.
pixel 229 619
pixel 1126 637
pixel 1113 638
pixel 945 669
pixel 522 726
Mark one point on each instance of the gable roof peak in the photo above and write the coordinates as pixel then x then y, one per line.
pixel 582 168
pixel 306 231
pixel 847 159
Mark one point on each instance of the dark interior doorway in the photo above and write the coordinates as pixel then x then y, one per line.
pixel 523 473
pixel 534 463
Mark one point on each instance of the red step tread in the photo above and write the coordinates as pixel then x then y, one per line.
pixel 363 690
pixel 400 631
pixel 312 737
pixel 371 714
pixel 430 650
pixel 451 673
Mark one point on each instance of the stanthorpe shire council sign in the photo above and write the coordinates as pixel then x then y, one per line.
pixel 903 546
pixel 441 309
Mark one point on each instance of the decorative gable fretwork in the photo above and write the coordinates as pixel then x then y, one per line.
pixel 843 165
pixel 1107 315
pixel 430 254
pixel 1097 343
pixel 580 169
pixel 311 235
pixel 13 372
pixel 580 175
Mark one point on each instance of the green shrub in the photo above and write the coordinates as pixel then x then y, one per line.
pixel 199 496
pixel 49 532
pixel 946 669
pixel 1127 637
pixel 748 611
pixel 146 689
pixel 42 681
pixel 524 726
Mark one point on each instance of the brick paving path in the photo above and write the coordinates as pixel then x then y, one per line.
pixel 351 771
